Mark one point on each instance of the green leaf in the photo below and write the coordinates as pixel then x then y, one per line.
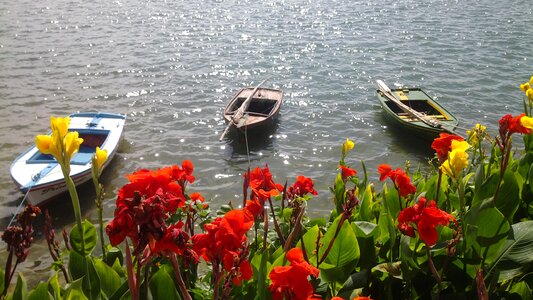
pixel 90 236
pixel 365 207
pixel 310 239
pixel 515 257
pixel 83 268
pixel 343 255
pixel 53 283
pixel 522 290
pixel 366 234
pixel 340 193
pixel 366 229
pixel 40 292
pixel 74 291
pixel 21 289
pixel 260 264
pixel 487 230
pixel 162 286
pixel 508 198
pixel 392 201
pixel 486 190
pixel 356 281
pixel 109 279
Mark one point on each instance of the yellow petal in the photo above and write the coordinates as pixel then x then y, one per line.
pixel 347 146
pixel 529 94
pixel 72 144
pixel 100 156
pixel 531 80
pixel 60 125
pixel 459 145
pixel 44 143
pixel 524 87
pixel 527 122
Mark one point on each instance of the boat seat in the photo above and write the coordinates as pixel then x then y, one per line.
pixel 257 114
pixel 84 156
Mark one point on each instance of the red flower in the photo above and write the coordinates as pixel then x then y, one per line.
pixel 226 233
pixel 290 282
pixel 401 181
pixel 384 171
pixel 303 186
pixel 253 207
pixel 426 218
pixel 347 172
pixel 510 125
pixel 443 144
pixel 174 239
pixel 262 184
pixel 232 261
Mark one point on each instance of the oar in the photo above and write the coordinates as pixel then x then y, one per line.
pixel 242 109
pixel 421 116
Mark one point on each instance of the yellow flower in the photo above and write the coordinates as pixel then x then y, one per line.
pixel 476 133
pixel 529 94
pixel 527 122
pixel 531 80
pixel 525 86
pixel 47 145
pixel 457 159
pixel 60 125
pixel 72 143
pixel 100 156
pixel 347 146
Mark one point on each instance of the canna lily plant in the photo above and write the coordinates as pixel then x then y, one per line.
pixel 462 231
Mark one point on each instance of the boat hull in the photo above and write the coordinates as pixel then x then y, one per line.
pixel 423 103
pixel 263 110
pixel 39 176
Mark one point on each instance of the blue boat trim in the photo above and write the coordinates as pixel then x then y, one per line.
pixel 98 115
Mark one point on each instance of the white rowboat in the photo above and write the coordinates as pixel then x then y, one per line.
pixel 39 175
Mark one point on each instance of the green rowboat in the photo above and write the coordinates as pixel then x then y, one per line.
pixel 411 109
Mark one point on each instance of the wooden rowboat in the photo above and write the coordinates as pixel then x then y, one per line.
pixel 415 111
pixel 39 175
pixel 261 110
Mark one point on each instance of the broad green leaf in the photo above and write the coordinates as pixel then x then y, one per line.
pixel 356 281
pixel 392 200
pixel 74 291
pixel 366 229
pixel 53 282
pixel 490 228
pixel 515 256
pixel 260 264
pixel 343 254
pixel 162 286
pixel 340 193
pixel 310 239
pixel 90 236
pixel 40 292
pixel 367 201
pixel 522 290
pixel 486 189
pixel 83 268
pixel 366 234
pixel 508 198
pixel 21 289
pixel 109 279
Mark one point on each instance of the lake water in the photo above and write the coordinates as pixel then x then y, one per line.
pixel 171 66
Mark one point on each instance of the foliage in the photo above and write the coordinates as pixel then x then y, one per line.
pixel 464 231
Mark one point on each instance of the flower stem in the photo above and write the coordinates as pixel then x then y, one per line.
pixel 183 289
pixel 432 267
